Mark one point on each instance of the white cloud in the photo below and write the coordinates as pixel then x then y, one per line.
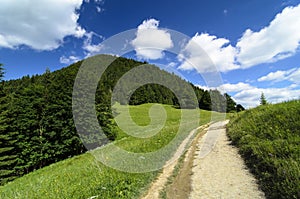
pixel 249 95
pixel 205 87
pixel 88 46
pixel 68 60
pixel 41 26
pixel 274 76
pixel 80 32
pixel 207 53
pixel 275 42
pixel 171 64
pixel 279 40
pixel 229 88
pixel 292 75
pixel 99 9
pixel 150 41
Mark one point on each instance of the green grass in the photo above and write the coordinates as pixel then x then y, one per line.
pixel 78 177
pixel 167 133
pixel 269 140
pixel 83 177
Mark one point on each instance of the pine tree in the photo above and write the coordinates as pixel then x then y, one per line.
pixel 8 155
pixel 263 100
pixel 1 72
pixel 7 138
pixel 205 101
pixel 231 104
pixel 239 108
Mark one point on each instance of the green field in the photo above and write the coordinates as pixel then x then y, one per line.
pixel 268 138
pixel 83 177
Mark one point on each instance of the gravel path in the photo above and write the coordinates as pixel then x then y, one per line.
pixel 221 172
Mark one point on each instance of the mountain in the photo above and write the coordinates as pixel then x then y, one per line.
pixel 36 118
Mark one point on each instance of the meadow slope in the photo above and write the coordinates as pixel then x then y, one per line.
pixel 83 177
pixel 268 138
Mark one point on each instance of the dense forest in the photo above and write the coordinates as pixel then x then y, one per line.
pixel 36 120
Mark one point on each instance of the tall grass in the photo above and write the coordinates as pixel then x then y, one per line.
pixel 83 177
pixel 269 140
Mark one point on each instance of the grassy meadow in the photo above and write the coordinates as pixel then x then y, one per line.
pixel 268 138
pixel 83 176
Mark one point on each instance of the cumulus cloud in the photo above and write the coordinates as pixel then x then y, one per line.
pixel 150 41
pixel 292 75
pixel 229 88
pixel 41 26
pixel 274 76
pixel 275 42
pixel 207 53
pixel 68 60
pixel 249 95
pixel 279 40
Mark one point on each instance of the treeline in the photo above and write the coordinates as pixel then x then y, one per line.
pixel 36 120
pixel 168 88
pixel 36 125
pixel 154 93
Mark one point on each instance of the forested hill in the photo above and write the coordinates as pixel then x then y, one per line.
pixel 36 121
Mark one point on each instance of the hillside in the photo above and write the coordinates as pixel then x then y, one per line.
pixel 83 177
pixel 268 138
pixel 36 119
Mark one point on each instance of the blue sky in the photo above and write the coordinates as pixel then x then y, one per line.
pixel 254 45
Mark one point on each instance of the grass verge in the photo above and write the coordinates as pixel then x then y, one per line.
pixel 268 138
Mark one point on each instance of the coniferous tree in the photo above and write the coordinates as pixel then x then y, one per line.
pixel 231 104
pixel 1 72
pixel 239 108
pixel 7 143
pixel 7 137
pixel 263 100
pixel 205 101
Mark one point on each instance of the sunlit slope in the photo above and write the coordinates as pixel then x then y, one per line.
pixel 83 177
pixel 269 139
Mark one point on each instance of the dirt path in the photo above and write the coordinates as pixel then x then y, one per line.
pixel 221 172
pixel 212 168
pixel 167 171
pixel 179 186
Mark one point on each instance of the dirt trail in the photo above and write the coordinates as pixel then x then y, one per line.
pixel 221 173
pixel 212 168
pixel 167 171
